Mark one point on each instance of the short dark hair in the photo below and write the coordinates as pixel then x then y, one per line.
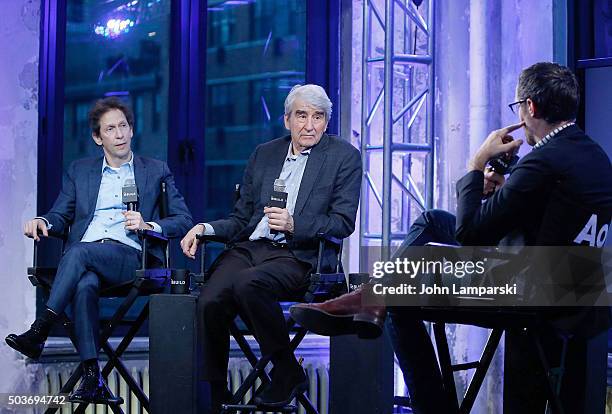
pixel 104 105
pixel 553 88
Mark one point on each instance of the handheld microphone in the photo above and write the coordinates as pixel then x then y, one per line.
pixel 503 164
pixel 129 194
pixel 278 198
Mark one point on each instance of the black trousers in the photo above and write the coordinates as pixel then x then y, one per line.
pixel 249 280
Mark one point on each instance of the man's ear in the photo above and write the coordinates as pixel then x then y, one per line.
pixel 96 139
pixel 531 107
pixel 286 118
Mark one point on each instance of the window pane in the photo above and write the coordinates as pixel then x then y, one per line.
pixel 255 54
pixel 117 47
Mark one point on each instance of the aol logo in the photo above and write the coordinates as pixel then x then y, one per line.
pixel 590 234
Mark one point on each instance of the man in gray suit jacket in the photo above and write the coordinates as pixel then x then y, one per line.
pixel 272 250
pixel 103 248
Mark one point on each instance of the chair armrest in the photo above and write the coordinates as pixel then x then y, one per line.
pixel 211 238
pixel 153 235
pixel 331 239
pixel 54 235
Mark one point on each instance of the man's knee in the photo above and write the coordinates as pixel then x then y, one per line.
pixel 88 284
pixel 438 217
pixel 432 226
pixel 79 252
pixel 211 304
pixel 250 284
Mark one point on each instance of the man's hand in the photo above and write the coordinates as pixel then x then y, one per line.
pixel 134 221
pixel 492 181
pixel 31 228
pixel 498 142
pixel 189 244
pixel 279 219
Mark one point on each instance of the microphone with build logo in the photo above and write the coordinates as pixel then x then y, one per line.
pixel 278 197
pixel 129 194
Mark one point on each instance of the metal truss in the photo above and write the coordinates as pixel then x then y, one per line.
pixel 398 143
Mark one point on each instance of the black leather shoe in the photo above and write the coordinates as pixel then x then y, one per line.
pixel 283 389
pixel 93 389
pixel 31 342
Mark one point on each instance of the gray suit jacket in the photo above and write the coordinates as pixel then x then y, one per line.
pixel 326 203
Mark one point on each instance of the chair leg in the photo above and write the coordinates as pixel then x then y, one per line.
pixel 553 396
pixel 243 344
pixel 249 381
pixel 78 371
pixel 483 366
pixel 125 306
pixel 127 339
pixel 448 378
pixel 307 404
pixel 116 408
pixel 113 356
pixel 258 371
pixel 133 386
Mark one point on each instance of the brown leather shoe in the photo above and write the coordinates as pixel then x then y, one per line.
pixel 343 315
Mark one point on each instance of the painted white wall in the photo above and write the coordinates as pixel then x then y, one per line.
pixel 19 40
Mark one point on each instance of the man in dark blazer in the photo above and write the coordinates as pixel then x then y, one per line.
pixel 103 248
pixel 271 250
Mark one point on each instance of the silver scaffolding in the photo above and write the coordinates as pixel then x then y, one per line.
pixel 403 131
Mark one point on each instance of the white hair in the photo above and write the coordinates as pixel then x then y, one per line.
pixel 311 94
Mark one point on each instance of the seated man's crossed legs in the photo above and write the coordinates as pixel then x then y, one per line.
pixel 82 270
pixel 249 280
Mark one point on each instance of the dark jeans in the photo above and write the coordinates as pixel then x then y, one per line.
pixel 249 279
pixel 524 378
pixel 83 269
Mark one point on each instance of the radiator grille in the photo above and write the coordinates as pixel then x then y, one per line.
pixel 56 375
pixel 318 378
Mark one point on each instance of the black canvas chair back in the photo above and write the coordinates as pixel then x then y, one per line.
pixel 146 281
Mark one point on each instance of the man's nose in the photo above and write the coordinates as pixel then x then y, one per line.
pixel 309 124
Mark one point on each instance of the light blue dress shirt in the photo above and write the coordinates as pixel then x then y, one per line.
pixel 292 172
pixel 108 221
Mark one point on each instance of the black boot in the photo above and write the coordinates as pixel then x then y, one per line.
pixel 288 381
pixel 92 388
pixel 31 342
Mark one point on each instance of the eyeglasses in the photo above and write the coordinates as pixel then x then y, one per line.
pixel 514 104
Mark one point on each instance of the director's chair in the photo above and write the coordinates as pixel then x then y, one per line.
pixel 322 286
pixel 147 281
pixel 498 320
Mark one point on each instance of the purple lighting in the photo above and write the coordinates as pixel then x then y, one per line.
pixel 114 28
